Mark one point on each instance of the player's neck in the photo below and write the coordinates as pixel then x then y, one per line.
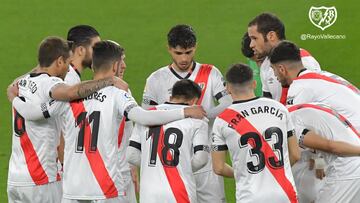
pixel 177 69
pixel 49 70
pixel 243 96
pixel 76 64
pixel 102 75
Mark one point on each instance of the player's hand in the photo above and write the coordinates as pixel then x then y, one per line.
pixel 195 112
pixel 320 173
pixel 12 91
pixel 120 83
pixel 135 178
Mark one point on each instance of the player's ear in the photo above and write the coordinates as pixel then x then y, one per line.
pixel 80 50
pixel 253 84
pixel 115 67
pixel 271 36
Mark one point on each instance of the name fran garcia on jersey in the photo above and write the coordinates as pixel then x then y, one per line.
pixel 256 110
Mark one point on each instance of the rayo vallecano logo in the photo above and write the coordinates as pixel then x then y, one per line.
pixel 322 17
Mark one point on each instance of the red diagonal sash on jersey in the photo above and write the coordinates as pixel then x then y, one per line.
pixel 329 79
pixel 121 131
pixel 172 174
pixel 284 93
pixel 304 53
pixel 328 110
pixel 176 183
pixel 202 79
pixel 96 163
pixel 33 164
pixel 243 127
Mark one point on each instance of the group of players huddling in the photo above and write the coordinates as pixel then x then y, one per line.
pixel 79 141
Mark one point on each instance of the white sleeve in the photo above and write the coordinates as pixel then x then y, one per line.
pixel 217 138
pixel 133 151
pixel 224 102
pixel 156 117
pixel 31 111
pixel 289 125
pixel 201 147
pixel 299 95
pixel 149 95
pixel 299 128
pixel 133 156
pixel 218 84
pixel 51 84
pixel 310 63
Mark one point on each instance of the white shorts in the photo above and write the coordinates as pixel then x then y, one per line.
pixel 307 185
pixel 344 191
pixel 119 199
pixel 51 192
pixel 209 187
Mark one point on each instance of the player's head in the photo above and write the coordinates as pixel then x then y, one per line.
pixel 265 31
pixel 239 80
pixel 84 38
pixel 108 58
pixel 185 91
pixel 54 54
pixel 285 60
pixel 182 46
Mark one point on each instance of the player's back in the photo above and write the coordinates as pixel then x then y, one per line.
pixel 331 125
pixel 255 132
pixel 331 90
pixel 166 153
pixel 91 168
pixel 33 157
pixel 268 78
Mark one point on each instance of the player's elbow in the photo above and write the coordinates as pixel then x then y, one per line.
pixel 218 168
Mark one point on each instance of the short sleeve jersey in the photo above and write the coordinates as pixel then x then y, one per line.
pixel 329 89
pixel 331 125
pixel 34 152
pixel 255 132
pixel 272 85
pixel 92 165
pixel 166 153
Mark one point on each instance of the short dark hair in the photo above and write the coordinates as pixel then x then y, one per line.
pixel 81 35
pixel 105 53
pixel 285 51
pixel 50 49
pixel 245 46
pixel 186 89
pixel 267 22
pixel 239 74
pixel 181 35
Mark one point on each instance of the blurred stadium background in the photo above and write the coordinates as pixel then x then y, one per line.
pixel 141 27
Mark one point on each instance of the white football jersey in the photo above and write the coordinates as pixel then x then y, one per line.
pixel 159 86
pixel 92 165
pixel 272 85
pixel 255 132
pixel 329 89
pixel 331 125
pixel 166 152
pixel 73 76
pixel 34 143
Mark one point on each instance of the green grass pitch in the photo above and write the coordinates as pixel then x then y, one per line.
pixel 141 27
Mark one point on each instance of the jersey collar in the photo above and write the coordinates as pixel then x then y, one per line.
pixel 187 76
pixel 246 100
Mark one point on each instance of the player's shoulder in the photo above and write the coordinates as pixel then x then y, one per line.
pixel 159 73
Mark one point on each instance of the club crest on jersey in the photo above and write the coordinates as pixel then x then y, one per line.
pixel 202 85
pixel 322 17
